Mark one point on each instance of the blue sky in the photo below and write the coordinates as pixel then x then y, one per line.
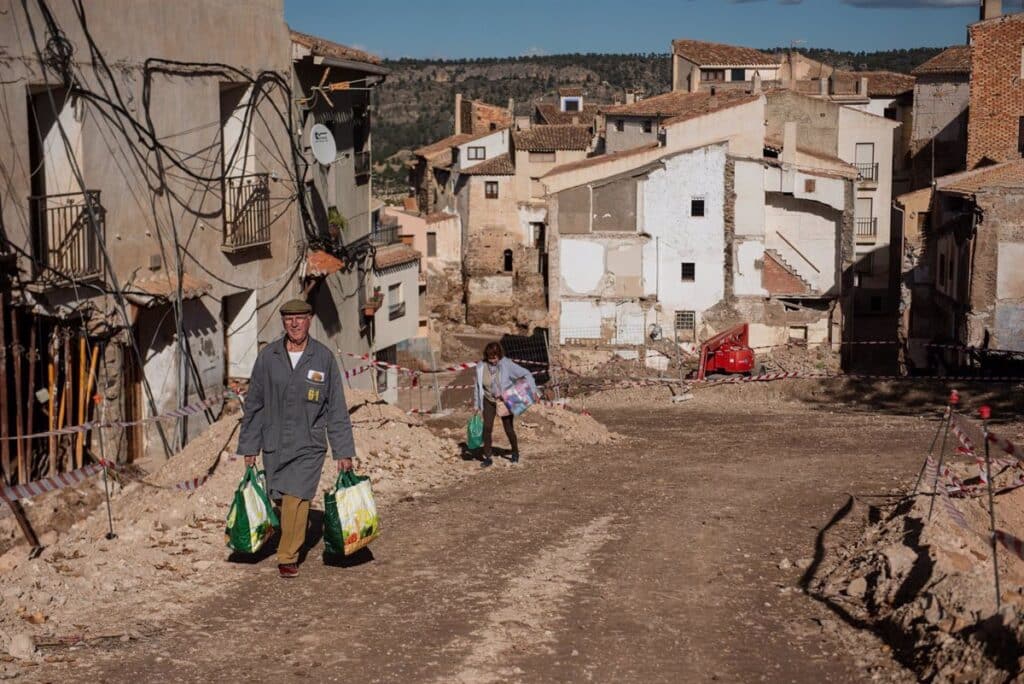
pixel 460 28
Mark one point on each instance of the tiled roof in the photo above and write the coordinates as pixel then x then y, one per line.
pixel 394 255
pixel 815 162
pixel 1006 175
pixel 602 159
pixel 570 92
pixel 327 48
pixel 880 83
pixel 705 54
pixel 680 105
pixel 552 115
pixel 954 60
pixel 438 217
pixel 319 263
pixel 495 166
pixel 445 144
pixel 551 138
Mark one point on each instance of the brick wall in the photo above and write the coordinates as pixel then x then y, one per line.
pixel 477 117
pixel 997 90
pixel 778 280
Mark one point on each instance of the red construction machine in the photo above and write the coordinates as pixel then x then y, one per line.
pixel 727 353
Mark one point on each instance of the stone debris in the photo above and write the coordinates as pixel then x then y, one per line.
pixel 84 584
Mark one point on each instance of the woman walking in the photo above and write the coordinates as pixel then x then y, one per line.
pixel 493 376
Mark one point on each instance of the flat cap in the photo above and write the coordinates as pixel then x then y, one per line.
pixel 296 306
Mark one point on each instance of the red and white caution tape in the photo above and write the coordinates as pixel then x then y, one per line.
pixel 52 484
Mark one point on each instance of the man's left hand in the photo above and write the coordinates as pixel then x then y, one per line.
pixel 344 464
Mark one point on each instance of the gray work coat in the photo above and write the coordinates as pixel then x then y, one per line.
pixel 289 415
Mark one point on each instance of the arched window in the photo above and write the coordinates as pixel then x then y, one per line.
pixel 508 260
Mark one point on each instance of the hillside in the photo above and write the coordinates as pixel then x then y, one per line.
pixel 415 103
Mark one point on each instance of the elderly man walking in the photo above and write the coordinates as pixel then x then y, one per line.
pixel 295 403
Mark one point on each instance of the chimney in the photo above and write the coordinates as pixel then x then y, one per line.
pixel 788 155
pixel 862 87
pixel 458 113
pixel 511 107
pixel 823 87
pixel 575 121
pixel 630 97
pixel 755 86
pixel 695 80
pixel 991 8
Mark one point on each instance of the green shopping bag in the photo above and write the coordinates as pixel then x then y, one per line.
pixel 350 514
pixel 475 432
pixel 251 520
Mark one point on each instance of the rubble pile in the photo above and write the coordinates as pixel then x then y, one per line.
pixel 799 359
pixel 170 549
pixel 927 586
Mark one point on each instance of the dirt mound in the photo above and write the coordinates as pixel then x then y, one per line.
pixel 542 426
pixel 926 585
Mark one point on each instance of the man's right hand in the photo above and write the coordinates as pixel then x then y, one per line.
pixel 250 461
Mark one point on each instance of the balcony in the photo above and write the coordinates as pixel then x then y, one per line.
pixel 66 240
pixel 396 311
pixel 362 163
pixel 867 173
pixel 866 229
pixel 384 235
pixel 246 212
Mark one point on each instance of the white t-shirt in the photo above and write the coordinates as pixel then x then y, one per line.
pixel 295 356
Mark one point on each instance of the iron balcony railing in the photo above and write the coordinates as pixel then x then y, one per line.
pixel 867 172
pixel 68 231
pixel 362 163
pixel 867 228
pixel 384 235
pixel 396 311
pixel 246 211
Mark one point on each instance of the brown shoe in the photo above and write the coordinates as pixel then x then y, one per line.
pixel 288 570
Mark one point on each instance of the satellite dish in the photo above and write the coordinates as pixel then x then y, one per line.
pixel 321 141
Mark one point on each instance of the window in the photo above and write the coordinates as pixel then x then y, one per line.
pixel 648 125
pixel 387 355
pixel 865 160
pixel 491 189
pixel 798 334
pixel 476 153
pixel 1020 136
pixel 810 185
pixel 507 259
pixel 737 74
pixel 891 113
pixel 396 301
pixel 620 125
pixel 685 320
pixel 697 206
pixel 571 105
pixel 431 244
pixel 688 272
pixel 712 74
pixel 542 156
pixel 493 126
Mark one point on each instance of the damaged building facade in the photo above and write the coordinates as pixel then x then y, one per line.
pixel 148 243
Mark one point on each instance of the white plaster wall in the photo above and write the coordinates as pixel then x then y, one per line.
pixel 815 238
pixel 496 144
pixel 830 191
pixel 749 198
pixel 746 273
pixel 1009 281
pixel 877 105
pixel 742 126
pixel 859 127
pixel 586 318
pixel 582 265
pixel 679 237
pixel 392 332
pixel 530 213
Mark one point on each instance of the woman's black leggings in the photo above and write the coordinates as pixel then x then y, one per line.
pixel 490 411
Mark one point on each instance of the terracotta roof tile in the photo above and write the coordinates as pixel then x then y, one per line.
pixel 880 83
pixel 953 60
pixel 327 48
pixel 394 255
pixel 551 138
pixel 495 166
pixel 1006 175
pixel 550 114
pixel 438 217
pixel 680 106
pixel 446 144
pixel 570 92
pixel 704 54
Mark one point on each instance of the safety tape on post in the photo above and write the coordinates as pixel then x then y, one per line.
pixel 51 484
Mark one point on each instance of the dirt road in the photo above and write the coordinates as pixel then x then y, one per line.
pixel 675 557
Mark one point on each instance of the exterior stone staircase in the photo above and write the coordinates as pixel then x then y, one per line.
pixel 803 285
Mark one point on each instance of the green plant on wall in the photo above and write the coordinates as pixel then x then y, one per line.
pixel 336 223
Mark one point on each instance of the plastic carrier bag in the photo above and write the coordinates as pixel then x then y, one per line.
pixel 475 432
pixel 350 515
pixel 519 396
pixel 251 520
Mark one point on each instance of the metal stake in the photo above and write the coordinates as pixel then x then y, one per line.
pixel 986 413
pixel 938 469
pixel 946 418
pixel 437 390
